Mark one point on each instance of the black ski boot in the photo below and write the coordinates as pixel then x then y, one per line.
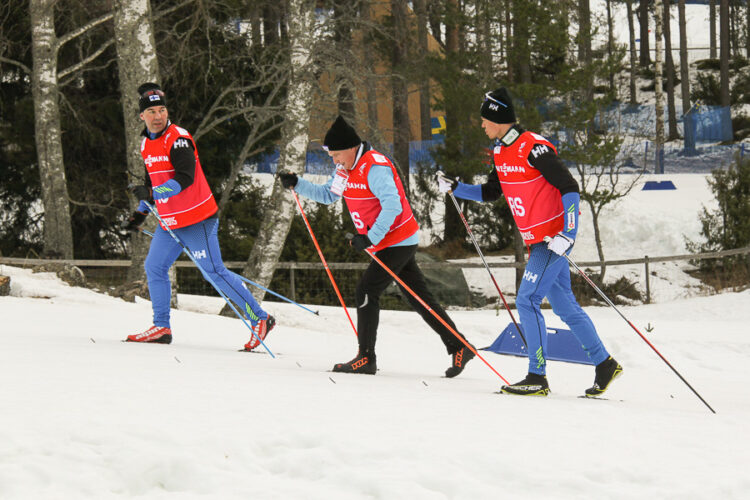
pixel 458 361
pixel 363 363
pixel 606 372
pixel 533 385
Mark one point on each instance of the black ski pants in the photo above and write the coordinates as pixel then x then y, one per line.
pixel 375 280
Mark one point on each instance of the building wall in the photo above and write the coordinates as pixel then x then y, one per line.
pixel 325 105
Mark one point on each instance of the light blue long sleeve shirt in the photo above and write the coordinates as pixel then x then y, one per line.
pixel 383 186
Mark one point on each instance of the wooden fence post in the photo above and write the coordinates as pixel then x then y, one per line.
pixel 292 290
pixel 648 285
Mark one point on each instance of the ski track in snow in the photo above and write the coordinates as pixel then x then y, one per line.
pixel 88 416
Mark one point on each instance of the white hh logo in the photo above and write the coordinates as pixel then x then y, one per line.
pixel 494 107
pixel 201 254
pixel 539 150
pixel 529 276
pixel 181 143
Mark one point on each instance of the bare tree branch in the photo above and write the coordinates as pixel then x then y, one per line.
pixel 84 62
pixel 83 29
pixel 161 13
pixel 16 63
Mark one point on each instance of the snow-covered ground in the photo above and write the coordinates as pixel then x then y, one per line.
pixel 83 415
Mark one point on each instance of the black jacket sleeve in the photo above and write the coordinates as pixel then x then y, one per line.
pixel 183 160
pixel 544 159
pixel 492 190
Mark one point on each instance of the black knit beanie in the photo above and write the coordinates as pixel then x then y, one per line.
pixel 498 107
pixel 340 136
pixel 150 95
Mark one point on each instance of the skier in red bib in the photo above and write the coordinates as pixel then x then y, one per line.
pixel 177 187
pixel 374 195
pixel 544 199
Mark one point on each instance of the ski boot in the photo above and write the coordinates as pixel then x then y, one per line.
pixel 154 335
pixel 458 361
pixel 261 329
pixel 533 385
pixel 606 372
pixel 363 363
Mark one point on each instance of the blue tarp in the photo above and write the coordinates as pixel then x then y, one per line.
pixel 562 345
pixel 658 185
pixel 707 124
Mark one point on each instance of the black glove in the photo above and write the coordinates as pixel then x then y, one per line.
pixel 360 242
pixel 288 180
pixel 133 223
pixel 140 192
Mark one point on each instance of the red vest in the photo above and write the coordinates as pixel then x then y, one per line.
pixel 536 204
pixel 191 205
pixel 364 206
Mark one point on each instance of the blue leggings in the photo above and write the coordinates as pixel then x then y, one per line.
pixel 202 242
pixel 547 275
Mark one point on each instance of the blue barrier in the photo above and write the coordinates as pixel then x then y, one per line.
pixel 562 345
pixel 658 185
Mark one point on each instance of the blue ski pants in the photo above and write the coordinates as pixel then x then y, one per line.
pixel 548 275
pixel 202 242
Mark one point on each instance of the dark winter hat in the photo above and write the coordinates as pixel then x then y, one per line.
pixel 498 107
pixel 340 136
pixel 150 95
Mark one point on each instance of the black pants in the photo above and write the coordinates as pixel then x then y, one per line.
pixel 376 279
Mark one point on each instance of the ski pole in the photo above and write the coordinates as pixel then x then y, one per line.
pixel 186 251
pixel 476 245
pixel 277 295
pixel 606 299
pixel 428 308
pixel 323 259
pixel 149 233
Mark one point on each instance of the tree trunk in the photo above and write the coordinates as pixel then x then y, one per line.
pixel 521 36
pixel 280 208
pixel 671 113
pixel 401 131
pixel 270 24
pixel 631 30
pixel 342 38
pixel 610 45
pixel 684 64
pixel 724 49
pixel 598 240
pixel 712 29
pixel 645 57
pixel 371 93
pixel 136 64
pixel 58 232
pixel 509 40
pixel 658 86
pixel 254 13
pixel 452 221
pixel 584 45
pixel 733 30
pixel 425 124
